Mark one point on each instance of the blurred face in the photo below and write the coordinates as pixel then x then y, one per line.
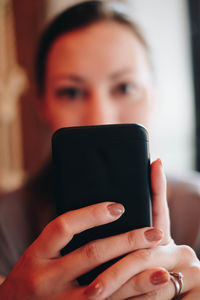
pixel 97 75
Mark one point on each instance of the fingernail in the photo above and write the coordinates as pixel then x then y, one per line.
pixel 159 277
pixel 159 161
pixel 116 209
pixel 153 235
pixel 94 290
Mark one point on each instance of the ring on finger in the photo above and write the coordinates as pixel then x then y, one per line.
pixel 177 279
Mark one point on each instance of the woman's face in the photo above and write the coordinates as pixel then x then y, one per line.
pixel 97 75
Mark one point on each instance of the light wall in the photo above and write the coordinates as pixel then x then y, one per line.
pixel 166 26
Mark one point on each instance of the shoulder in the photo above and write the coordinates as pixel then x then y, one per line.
pixel 11 201
pixel 14 229
pixel 184 185
pixel 20 212
pixel 35 189
pixel 26 202
pixel 183 193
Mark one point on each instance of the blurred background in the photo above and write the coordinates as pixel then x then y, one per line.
pixel 167 25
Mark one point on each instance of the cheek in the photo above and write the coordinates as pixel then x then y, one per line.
pixel 58 115
pixel 136 113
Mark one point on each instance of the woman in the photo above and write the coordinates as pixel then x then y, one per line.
pixel 93 68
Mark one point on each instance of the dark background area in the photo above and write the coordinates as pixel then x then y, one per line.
pixel 29 16
pixel 194 14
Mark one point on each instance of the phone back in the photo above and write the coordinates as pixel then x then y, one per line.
pixel 100 163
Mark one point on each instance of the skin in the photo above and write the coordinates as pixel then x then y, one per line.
pixel 87 84
pixel 111 84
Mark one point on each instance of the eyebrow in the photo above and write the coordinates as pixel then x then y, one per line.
pixel 71 77
pixel 79 79
pixel 121 73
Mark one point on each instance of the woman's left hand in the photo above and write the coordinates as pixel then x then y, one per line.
pixel 148 277
pixel 144 274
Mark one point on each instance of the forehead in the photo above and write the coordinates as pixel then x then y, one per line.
pixel 97 48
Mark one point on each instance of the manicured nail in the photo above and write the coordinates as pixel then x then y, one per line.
pixel 153 235
pixel 116 209
pixel 159 277
pixel 94 290
pixel 159 161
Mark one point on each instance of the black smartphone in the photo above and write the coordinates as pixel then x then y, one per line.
pixel 100 163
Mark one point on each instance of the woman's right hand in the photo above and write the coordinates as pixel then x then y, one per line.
pixel 41 273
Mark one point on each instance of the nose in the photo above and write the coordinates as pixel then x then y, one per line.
pixel 100 110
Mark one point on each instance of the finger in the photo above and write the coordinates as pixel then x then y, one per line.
pixel 160 210
pixel 97 252
pixel 61 230
pixel 194 294
pixel 2 279
pixel 72 294
pixel 136 262
pixel 142 283
pixel 168 291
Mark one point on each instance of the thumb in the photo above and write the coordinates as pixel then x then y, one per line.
pixel 160 211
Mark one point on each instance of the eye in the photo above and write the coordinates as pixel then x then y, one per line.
pixel 124 88
pixel 71 93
